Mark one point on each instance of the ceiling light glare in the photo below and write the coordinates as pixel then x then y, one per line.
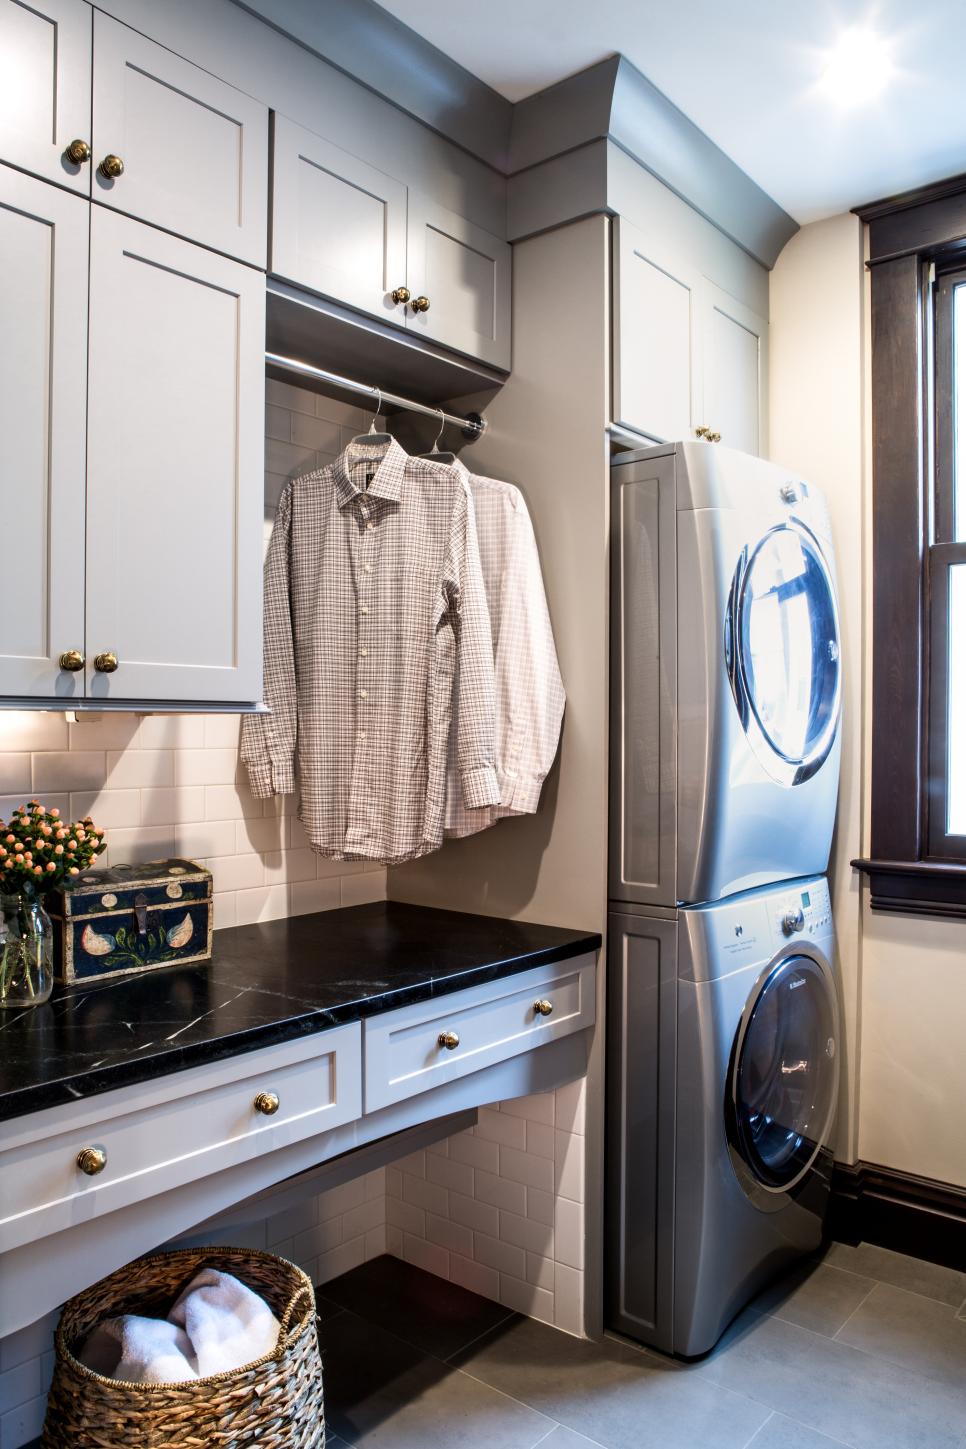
pixel 858 67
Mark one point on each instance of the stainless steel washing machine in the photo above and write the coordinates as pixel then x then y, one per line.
pixel 722 1066
pixel 725 676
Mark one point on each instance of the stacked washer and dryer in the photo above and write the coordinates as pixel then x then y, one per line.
pixel 723 1002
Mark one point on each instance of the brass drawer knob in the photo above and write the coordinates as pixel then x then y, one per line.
pixel 92 1160
pixel 708 435
pixel 543 1007
pixel 420 304
pixel 400 294
pixel 105 663
pixel 72 660
pixel 78 152
pixel 267 1103
pixel 448 1039
pixel 112 166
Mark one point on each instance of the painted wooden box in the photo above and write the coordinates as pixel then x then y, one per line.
pixel 130 918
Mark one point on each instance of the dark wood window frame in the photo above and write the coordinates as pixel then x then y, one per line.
pixel 915 240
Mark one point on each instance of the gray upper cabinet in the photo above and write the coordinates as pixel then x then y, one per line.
pixel 45 97
pixel 43 305
pixel 459 276
pixel 349 231
pixel 194 150
pixel 175 469
pixel 338 224
pixel 688 357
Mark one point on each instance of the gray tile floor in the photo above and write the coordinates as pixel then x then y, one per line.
pixel 863 1348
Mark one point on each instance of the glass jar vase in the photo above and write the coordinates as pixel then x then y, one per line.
pixel 26 952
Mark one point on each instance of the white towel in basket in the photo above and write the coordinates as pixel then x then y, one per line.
pixel 216 1325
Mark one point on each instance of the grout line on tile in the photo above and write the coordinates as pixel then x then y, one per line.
pixel 510 1313
pixel 750 1442
pixel 842 1326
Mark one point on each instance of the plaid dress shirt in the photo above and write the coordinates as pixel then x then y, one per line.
pixel 529 690
pixel 373 596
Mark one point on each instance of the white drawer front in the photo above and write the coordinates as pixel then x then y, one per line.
pixel 209 1126
pixel 406 1051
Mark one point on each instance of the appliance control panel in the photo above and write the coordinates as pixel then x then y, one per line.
pixel 801 910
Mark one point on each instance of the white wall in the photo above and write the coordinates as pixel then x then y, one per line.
pixel 904 977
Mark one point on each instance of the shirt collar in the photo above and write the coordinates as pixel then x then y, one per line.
pixel 387 481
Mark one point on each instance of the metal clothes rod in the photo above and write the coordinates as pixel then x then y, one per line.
pixel 473 425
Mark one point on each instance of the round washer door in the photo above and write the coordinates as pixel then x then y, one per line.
pixel 784 1075
pixel 783 652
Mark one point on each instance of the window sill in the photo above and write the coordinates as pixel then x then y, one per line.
pixel 916 887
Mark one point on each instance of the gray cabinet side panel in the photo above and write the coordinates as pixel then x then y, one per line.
pixel 643 749
pixel 641 1049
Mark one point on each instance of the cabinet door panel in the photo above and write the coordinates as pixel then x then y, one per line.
pixel 45 87
pixel 338 224
pixel 465 273
pixel 195 150
pixel 43 364
pixel 656 341
pixel 735 371
pixel 174 467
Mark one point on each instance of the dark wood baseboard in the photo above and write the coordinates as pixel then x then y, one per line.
pixel 896 1210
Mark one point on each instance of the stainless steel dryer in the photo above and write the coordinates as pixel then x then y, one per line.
pixel 723 1063
pixel 726 676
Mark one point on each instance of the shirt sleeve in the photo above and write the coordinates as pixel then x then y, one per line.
pixel 475 723
pixel 268 740
pixel 528 680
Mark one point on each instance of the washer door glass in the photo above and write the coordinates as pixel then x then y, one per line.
pixel 788 647
pixel 785 1076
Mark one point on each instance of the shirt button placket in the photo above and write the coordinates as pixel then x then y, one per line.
pixel 361 807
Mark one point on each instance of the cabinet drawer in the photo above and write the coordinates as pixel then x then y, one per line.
pixel 194 150
pixel 212 1124
pixel 405 1051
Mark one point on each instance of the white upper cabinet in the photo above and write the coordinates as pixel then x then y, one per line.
pixel 735 371
pixel 459 276
pixel 689 359
pixel 193 150
pixel 175 469
pixel 338 224
pixel 657 371
pixel 45 88
pixel 348 230
pixel 43 365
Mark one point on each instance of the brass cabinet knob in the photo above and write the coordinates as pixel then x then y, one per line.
pixel 714 437
pixel 105 663
pixel 112 166
pixel 267 1103
pixel 72 660
pixel 400 294
pixel 708 435
pixel 78 152
pixel 543 1007
pixel 92 1160
pixel 420 304
pixel 448 1039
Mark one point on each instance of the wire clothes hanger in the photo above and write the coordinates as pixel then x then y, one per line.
pixel 434 454
pixel 373 439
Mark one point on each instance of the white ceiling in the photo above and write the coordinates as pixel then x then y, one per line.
pixel 749 73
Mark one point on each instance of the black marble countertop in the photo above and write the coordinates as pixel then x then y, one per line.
pixel 264 984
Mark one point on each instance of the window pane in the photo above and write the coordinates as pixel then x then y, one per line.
pixel 959 409
pixel 956 720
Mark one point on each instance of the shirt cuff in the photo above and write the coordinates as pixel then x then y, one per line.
pixel 267 778
pixel 480 787
pixel 521 794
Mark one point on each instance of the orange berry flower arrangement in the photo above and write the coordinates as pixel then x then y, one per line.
pixel 39 851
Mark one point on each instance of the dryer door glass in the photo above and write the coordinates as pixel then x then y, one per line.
pixel 788 652
pixel 785 1075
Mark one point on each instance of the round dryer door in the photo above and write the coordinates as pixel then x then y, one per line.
pixel 783 652
pixel 784 1075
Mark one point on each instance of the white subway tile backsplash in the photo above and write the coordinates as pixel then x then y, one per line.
pixel 222 731
pixel 495 1126
pixel 570 1111
pixel 286 865
pixel 569 1233
pixel 237 872
pixel 454 1175
pixel 428 1256
pixel 524 1233
pixel 139 843
pixel 68 770
pixel 449 1235
pixel 318 433
pixel 504 1257
pixel 501 1193
pixel 360 890
pixel 539 1108
pixel 32 730
pixel 202 839
pixel 174 804
pixel 135 768
pixel 482 1217
pixel 475 1276
pixel 172 732
pixel 526 1298
pixel 423 1194
pixel 540 1139
pixel 467 1147
pixel 107 808
pixel 206 767
pixel 569 1166
pixel 521 1167
pixel 316 895
pixel 15 775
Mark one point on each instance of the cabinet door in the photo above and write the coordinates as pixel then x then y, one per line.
pixel 45 87
pixel 735 353
pixel 175 467
pixel 338 224
pixel 657 373
pixel 43 365
pixel 464 273
pixel 194 150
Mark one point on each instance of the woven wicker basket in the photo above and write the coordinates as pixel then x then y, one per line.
pixel 276 1402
